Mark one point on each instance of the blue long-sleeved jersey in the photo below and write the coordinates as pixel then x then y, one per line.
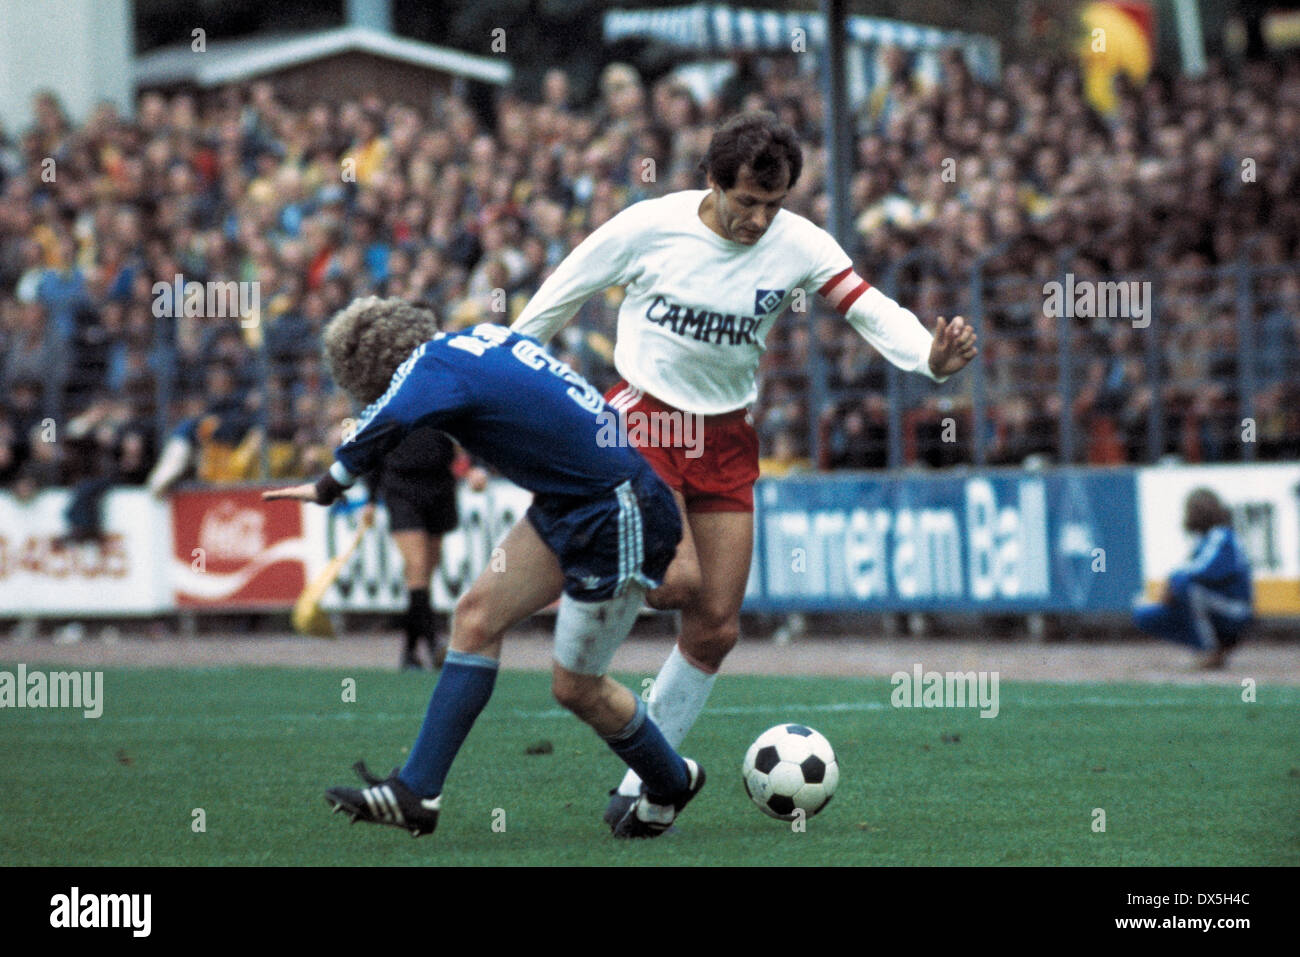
pixel 1218 563
pixel 508 402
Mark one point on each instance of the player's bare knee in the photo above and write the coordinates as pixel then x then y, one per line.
pixel 681 586
pixel 471 629
pixel 673 594
pixel 707 639
pixel 575 695
pixel 715 646
pixel 663 598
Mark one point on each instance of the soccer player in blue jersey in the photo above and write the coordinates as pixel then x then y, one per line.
pixel 1208 602
pixel 602 529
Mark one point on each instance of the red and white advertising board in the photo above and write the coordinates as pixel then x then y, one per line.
pixel 123 574
pixel 231 549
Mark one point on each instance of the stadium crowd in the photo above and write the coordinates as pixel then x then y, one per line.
pixel 320 204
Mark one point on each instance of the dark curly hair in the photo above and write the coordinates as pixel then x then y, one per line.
pixel 366 342
pixel 759 141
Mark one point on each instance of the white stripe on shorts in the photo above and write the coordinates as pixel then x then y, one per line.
pixel 624 534
pixel 631 545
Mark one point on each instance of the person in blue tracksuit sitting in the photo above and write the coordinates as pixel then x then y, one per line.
pixel 1208 602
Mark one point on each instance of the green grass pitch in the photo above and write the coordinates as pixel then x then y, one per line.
pixel 1185 775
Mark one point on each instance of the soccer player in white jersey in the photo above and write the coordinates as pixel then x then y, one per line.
pixel 707 273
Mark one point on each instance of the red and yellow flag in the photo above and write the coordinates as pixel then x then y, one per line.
pixel 1119 37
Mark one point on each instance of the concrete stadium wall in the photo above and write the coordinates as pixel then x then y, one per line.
pixel 80 49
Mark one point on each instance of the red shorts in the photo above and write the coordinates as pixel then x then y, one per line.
pixel 711 459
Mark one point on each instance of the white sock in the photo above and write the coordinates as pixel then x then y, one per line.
pixel 676 700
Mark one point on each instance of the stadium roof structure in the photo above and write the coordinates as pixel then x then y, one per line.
pixel 234 61
pixel 711 29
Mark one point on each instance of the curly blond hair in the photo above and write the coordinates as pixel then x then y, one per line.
pixel 366 342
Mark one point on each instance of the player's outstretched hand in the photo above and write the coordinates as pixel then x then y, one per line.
pixel 301 493
pixel 953 346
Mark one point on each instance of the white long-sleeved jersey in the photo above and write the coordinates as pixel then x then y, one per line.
pixel 697 309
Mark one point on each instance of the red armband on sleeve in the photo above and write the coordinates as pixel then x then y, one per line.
pixel 843 289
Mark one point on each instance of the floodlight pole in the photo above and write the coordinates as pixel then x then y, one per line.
pixel 839 159
pixel 839 163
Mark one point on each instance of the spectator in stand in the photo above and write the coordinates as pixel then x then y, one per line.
pixel 785 458
pixel 33 356
pixel 13 449
pixel 62 290
pixel 220 444
pixel 29 419
pixel 109 447
pixel 42 469
pixel 441 207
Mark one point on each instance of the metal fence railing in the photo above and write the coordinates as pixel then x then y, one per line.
pixel 1203 364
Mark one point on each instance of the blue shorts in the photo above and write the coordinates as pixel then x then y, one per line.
pixel 629 534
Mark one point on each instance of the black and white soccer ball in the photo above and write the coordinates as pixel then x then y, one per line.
pixel 790 768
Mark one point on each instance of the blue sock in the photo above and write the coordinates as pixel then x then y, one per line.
pixel 461 694
pixel 644 749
